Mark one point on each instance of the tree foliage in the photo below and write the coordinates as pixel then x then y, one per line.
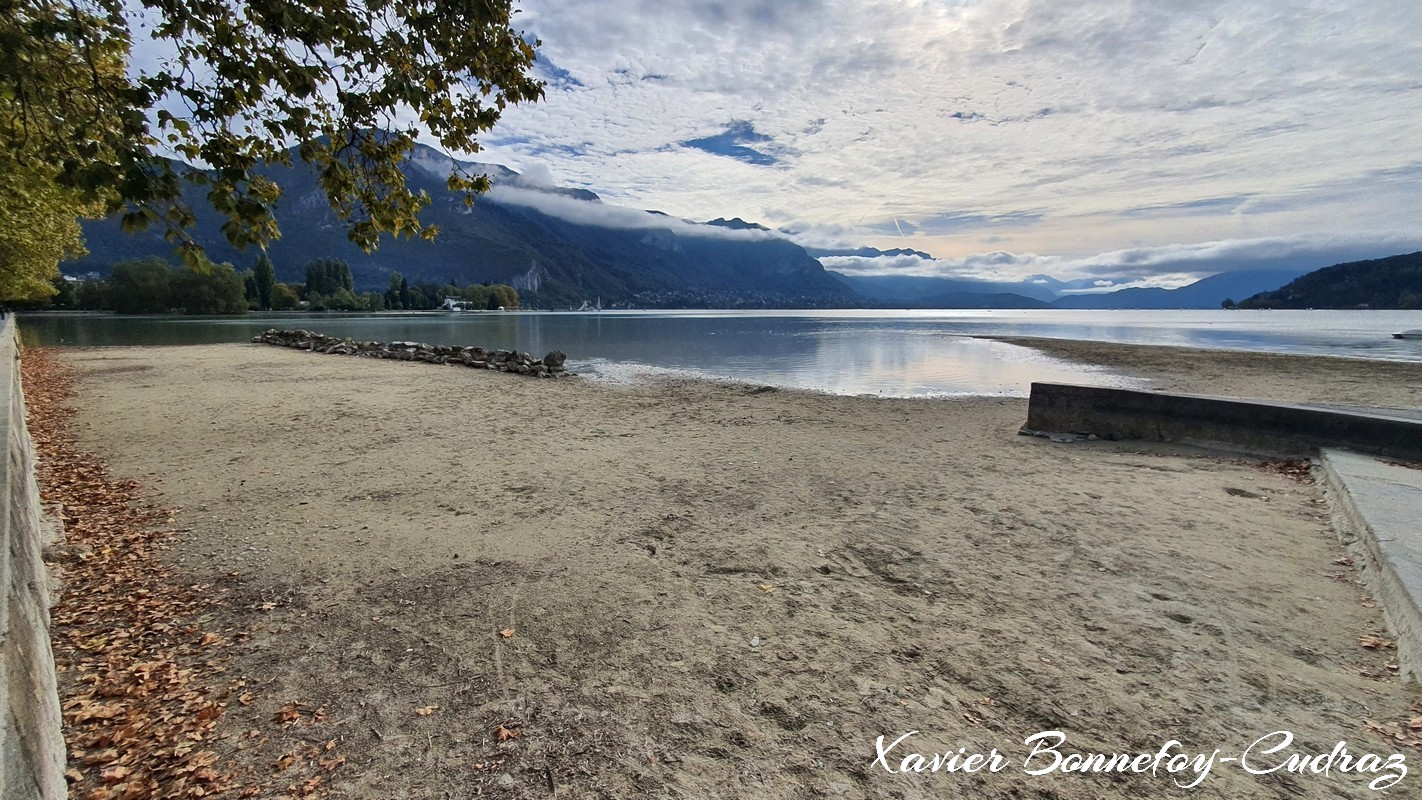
pixel 215 289
pixel 491 297
pixel 343 85
pixel 264 275
pixel 152 285
pixel 285 298
pixel 38 210
pixel 141 286
pixel 326 275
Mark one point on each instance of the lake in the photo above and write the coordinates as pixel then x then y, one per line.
pixel 890 353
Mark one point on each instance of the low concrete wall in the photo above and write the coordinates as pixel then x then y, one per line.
pixel 32 752
pixel 1262 427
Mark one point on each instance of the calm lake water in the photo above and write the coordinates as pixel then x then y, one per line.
pixel 893 353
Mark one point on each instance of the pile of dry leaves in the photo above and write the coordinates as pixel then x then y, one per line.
pixel 141 677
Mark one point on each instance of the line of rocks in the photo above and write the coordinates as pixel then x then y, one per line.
pixel 550 366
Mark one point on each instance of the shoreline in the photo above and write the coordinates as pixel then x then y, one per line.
pixel 685 587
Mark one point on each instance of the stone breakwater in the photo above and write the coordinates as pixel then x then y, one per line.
pixel 550 366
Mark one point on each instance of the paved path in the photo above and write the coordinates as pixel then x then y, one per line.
pixel 1381 502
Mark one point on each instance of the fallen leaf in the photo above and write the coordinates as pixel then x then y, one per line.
pixel 426 711
pixel 507 633
pixel 502 734
pixel 289 714
pixel 114 774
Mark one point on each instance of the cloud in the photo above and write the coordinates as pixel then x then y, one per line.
pixel 536 175
pixel 1167 266
pixel 963 126
pixel 589 212
pixel 1050 127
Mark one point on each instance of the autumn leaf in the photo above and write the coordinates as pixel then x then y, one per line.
pixel 502 734
pixel 289 714
pixel 114 774
pixel 426 711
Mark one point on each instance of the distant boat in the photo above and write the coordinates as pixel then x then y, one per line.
pixel 1415 333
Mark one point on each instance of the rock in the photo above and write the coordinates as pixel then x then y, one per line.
pixel 550 366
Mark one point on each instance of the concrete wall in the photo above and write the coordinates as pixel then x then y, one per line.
pixel 1262 427
pixel 32 755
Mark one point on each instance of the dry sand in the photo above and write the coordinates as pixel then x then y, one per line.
pixel 712 592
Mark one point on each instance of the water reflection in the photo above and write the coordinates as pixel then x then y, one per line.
pixel 905 353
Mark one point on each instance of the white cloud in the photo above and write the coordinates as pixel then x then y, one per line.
pixel 960 127
pixel 1063 128
pixel 589 212
pixel 1166 266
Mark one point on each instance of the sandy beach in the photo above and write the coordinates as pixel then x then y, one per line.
pixel 694 589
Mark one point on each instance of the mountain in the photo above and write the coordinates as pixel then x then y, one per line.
pixel 868 252
pixel 1381 283
pixel 557 246
pixel 1205 293
pixel 914 291
pixel 977 300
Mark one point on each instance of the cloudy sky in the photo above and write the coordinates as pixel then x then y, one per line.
pixel 1156 139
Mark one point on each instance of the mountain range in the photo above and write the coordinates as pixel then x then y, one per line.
pixel 1393 282
pixel 559 247
pixel 562 247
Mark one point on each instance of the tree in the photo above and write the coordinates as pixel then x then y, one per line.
pixel 141 286
pixel 39 225
pixel 508 297
pixel 285 298
pixel 66 293
pixel 265 274
pixel 92 295
pixel 326 275
pixel 477 295
pixel 343 299
pixel 40 203
pixel 249 289
pixel 215 289
pixel 344 85
pixel 392 295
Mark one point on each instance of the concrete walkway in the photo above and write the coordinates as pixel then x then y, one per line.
pixel 1380 502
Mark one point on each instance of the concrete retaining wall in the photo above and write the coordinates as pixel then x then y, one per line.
pixel 1262 427
pixel 32 752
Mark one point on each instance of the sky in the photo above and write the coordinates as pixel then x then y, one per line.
pixel 1149 142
